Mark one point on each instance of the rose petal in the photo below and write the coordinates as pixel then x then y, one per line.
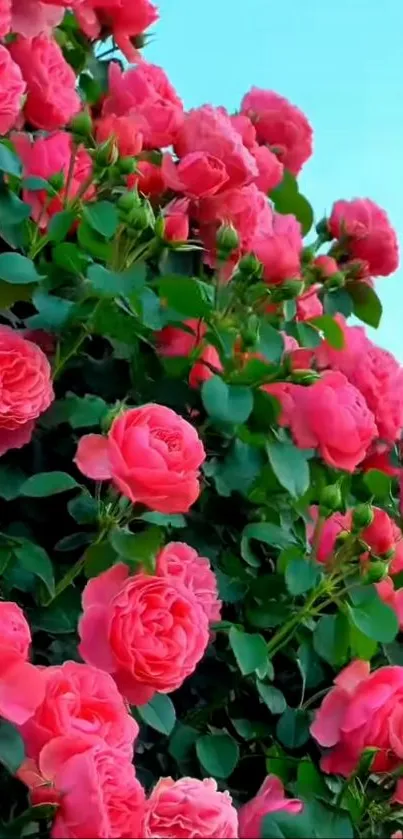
pixel 92 457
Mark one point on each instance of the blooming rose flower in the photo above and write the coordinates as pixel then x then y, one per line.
pixel 153 456
pixel 29 17
pixel 94 785
pixel 148 632
pixel 174 341
pixel 123 18
pixel 147 179
pixel 245 208
pixel 127 134
pixel 197 175
pixel 380 459
pixel 146 92
pixel 363 710
pixel 309 305
pixel 207 364
pixel 210 130
pixel 190 807
pixel 391 597
pixel 368 233
pixel 269 799
pixel 21 684
pixel 12 89
pixel 330 530
pixel 181 562
pixel 271 171
pixel 327 265
pixel 47 156
pixel 280 250
pixel 382 536
pixel 281 126
pixel 374 372
pixel 79 699
pixel 51 83
pixel 25 388
pixel 176 220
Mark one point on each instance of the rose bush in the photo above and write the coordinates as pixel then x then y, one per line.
pixel 201 470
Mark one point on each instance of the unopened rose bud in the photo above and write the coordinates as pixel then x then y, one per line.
pixel 82 124
pixel 249 266
pixel 363 516
pixel 375 572
pixel 305 377
pixel 126 165
pixel 336 281
pixel 107 153
pixel 139 217
pixel 331 498
pixel 289 290
pixel 57 181
pixel 322 229
pixel 128 200
pixel 342 537
pixel 227 240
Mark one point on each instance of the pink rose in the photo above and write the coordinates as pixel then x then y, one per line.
pixel 210 130
pixel 152 455
pixel 326 265
pixel 80 700
pixel 175 341
pixel 21 684
pixel 374 372
pixel 12 89
pixel 25 388
pixel 382 536
pixel 148 632
pixel 308 304
pixel 145 92
pixel 245 208
pixel 380 459
pixel 5 17
pixel 330 530
pixel 190 807
pixel 269 799
pixel 127 134
pixel 332 416
pixel 148 179
pixel 181 562
pixel 280 249
pixel 176 220
pixel 271 171
pixel 123 18
pixel 368 234
pixel 51 83
pixel 363 710
pixel 392 597
pixel 281 126
pixel 95 786
pixel 47 156
pixel 206 366
pixel 30 17
pixel 197 175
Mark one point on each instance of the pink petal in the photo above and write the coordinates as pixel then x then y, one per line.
pixel 22 687
pixel 17 438
pixel 326 725
pixel 135 692
pixel 100 590
pixel 94 646
pixel 92 457
pixel 352 675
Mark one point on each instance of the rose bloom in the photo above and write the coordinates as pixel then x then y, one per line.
pixel 280 250
pixel 368 233
pixel 147 179
pixel 181 562
pixel 47 156
pixel 380 459
pixel 210 130
pixel 246 208
pixel 374 372
pixel 21 684
pixel 269 799
pixel 176 220
pixel 175 341
pixel 197 175
pixel 330 530
pixel 79 699
pixel 326 265
pixel 149 632
pixel 391 597
pixel 146 92
pixel 25 388
pixel 94 785
pixel 126 132
pixel 308 304
pixel 123 18
pixel 152 455
pixel 51 83
pixel 271 171
pixel 363 710
pixel 189 807
pixel 12 89
pixel 382 536
pixel 281 126
pixel 29 17
pixel 206 366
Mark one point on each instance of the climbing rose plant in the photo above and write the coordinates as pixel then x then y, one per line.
pixel 201 554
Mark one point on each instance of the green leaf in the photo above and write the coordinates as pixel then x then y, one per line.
pixel 218 754
pixel 271 343
pixel 266 532
pixel 331 639
pixel 34 559
pixel 103 217
pixel 11 481
pixel 360 645
pixel 98 558
pixel 378 483
pixel 301 575
pixel 338 301
pixel 69 257
pixel 316 821
pixel 159 713
pixel 53 312
pixel 111 284
pixel 13 211
pixel 293 728
pixel 186 295
pixel 373 617
pixel 137 548
pixel 83 508
pixel 78 411
pixel 12 752
pixel 330 329
pixel 33 183
pixel 366 303
pixel 175 520
pixel 290 466
pixel 60 225
pixel 287 199
pixel 237 471
pixel 9 162
pixel 91 242
pixel 48 483
pixel 15 268
pixel 60 617
pixel 250 651
pixel 182 742
pixel 309 782
pixel 226 403
pixel 272 697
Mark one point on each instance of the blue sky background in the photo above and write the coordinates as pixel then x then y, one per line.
pixel 340 62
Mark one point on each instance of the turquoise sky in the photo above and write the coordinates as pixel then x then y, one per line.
pixel 341 62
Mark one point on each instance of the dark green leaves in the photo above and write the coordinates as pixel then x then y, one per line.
pixel 366 303
pixel 227 403
pixel 290 466
pixel 103 217
pixel 137 548
pixel 266 532
pixel 293 728
pixel 33 558
pixel 272 697
pixel 60 225
pixel 301 575
pixel 159 713
pixel 373 617
pixel 111 284
pixel 250 651
pixel 12 751
pixel 218 754
pixel 271 343
pixel 287 199
pixel 330 329
pixel 48 483
pixel 186 295
pixel 11 481
pixel 15 268
pixel 9 162
pixel 378 483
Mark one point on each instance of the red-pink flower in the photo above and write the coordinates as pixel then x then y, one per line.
pixel 281 126
pixel 269 799
pixel 147 179
pixel 32 17
pixel 80 700
pixel 12 89
pixel 25 388
pixel 210 130
pixel 380 459
pixel 367 233
pixel 190 807
pixel 329 531
pixel 197 174
pixel 52 98
pixel 175 341
pixel 125 19
pixel 153 456
pixel 382 536
pixel 181 562
pixel 206 366
pixel 363 710
pixel 125 130
pixel 145 92
pixel 21 684
pixel 149 632
pixel 270 169
pixel 391 597
pixel 309 305
pixel 327 265
pixel 279 250
pixel 176 220
pixel 245 208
